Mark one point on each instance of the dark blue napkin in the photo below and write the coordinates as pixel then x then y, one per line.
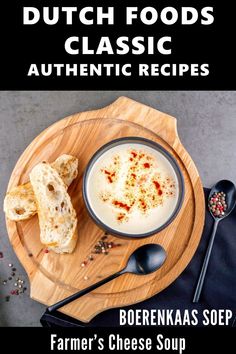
pixel 219 290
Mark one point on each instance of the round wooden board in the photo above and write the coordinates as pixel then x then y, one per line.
pixel 54 276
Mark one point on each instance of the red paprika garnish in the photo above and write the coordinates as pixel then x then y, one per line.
pixel 157 185
pixel 120 217
pixel 146 165
pixel 121 205
pixel 109 175
pixel 134 154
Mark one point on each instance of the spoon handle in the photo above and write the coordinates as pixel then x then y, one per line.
pixel 205 264
pixel 83 292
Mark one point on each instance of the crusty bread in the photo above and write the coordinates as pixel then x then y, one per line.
pixel 57 217
pixel 19 203
pixel 67 167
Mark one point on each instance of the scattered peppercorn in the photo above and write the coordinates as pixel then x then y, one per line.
pixel 217 204
pixel 103 246
pixel 15 292
pixel 11 280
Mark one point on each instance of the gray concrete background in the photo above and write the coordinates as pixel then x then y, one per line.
pixel 206 126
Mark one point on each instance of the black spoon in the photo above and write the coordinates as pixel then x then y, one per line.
pixel 144 260
pixel 229 189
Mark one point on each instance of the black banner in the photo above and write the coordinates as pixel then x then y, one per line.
pixel 163 45
pixel 122 340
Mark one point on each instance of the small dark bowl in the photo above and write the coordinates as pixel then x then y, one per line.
pixel 155 146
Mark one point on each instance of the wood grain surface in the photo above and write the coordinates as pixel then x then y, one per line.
pixel 52 276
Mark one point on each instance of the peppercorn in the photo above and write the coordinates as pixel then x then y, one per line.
pixel 217 204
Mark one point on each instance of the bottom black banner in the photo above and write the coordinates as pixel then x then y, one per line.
pixel 98 340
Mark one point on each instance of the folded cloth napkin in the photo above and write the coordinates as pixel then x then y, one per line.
pixel 219 290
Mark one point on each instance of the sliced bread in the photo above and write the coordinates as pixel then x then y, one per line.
pixel 19 203
pixel 57 217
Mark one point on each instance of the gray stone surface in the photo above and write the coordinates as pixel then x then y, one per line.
pixel 206 125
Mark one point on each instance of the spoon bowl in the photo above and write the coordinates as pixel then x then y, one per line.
pixel 146 259
pixel 229 189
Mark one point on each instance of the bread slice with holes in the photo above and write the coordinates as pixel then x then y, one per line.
pixel 20 204
pixel 67 167
pixel 57 217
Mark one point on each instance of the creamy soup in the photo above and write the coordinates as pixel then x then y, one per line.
pixel 132 188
